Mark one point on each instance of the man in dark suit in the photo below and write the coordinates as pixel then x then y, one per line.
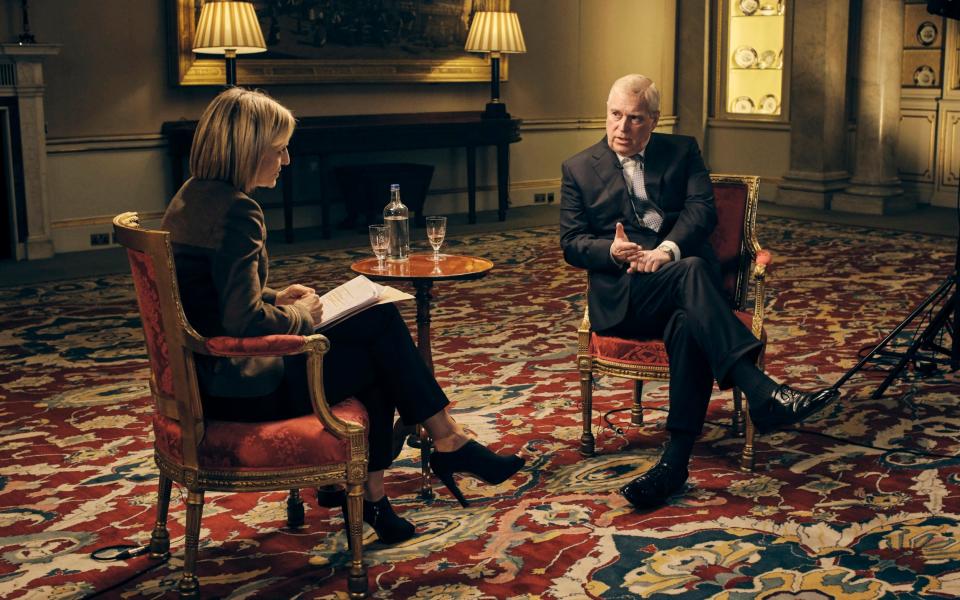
pixel 636 211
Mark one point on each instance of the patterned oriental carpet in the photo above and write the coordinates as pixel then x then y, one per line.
pixel 861 502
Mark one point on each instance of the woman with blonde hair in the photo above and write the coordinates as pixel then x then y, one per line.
pixel 218 234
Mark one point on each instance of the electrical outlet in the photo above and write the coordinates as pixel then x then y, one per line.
pixel 549 197
pixel 539 198
pixel 99 239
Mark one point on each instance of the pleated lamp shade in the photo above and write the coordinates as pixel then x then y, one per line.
pixel 226 27
pixel 495 32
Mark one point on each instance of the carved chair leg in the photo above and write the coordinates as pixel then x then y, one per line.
pixel 160 538
pixel 189 584
pixel 587 443
pixel 738 425
pixel 747 458
pixel 636 413
pixel 295 518
pixel 357 579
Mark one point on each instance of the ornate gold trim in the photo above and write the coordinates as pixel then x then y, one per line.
pixel 188 68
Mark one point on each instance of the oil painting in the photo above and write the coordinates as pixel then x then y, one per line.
pixel 318 41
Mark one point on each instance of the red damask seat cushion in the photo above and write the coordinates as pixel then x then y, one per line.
pixel 642 351
pixel 301 441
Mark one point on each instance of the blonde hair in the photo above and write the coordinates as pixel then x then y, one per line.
pixel 639 85
pixel 234 132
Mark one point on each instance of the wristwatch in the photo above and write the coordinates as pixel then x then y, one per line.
pixel 668 250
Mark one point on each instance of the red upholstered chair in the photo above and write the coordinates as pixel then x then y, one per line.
pixel 741 259
pixel 323 448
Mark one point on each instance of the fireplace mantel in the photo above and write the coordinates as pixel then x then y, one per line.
pixel 28 87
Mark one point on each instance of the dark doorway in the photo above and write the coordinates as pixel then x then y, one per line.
pixel 13 209
pixel 7 235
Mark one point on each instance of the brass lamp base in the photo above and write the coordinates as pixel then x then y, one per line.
pixel 496 110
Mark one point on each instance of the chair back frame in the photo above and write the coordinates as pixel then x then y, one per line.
pixel 176 396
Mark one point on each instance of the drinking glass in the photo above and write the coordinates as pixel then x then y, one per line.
pixel 379 243
pixel 436 230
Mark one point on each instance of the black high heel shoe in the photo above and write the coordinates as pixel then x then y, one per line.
pixel 390 527
pixel 475 459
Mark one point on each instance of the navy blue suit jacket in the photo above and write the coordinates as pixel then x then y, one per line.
pixel 594 198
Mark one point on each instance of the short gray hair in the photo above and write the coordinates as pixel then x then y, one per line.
pixel 639 85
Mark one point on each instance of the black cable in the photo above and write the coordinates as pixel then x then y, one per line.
pixel 610 424
pixel 118 552
pixel 863 445
pixel 124 582
pixel 620 431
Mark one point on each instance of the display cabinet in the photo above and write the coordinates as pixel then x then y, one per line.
pixel 752 60
pixel 922 47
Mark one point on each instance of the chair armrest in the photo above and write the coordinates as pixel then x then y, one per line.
pixel 762 263
pixel 760 267
pixel 314 346
pixel 265 345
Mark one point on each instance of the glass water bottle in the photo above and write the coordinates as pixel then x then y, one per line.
pixel 396 217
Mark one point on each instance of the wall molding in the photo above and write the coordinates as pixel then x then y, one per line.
pixel 105 143
pixel 99 220
pixel 577 124
pixel 731 124
pixel 531 184
pixel 139 141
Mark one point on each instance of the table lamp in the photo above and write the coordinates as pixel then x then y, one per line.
pixel 229 28
pixel 495 33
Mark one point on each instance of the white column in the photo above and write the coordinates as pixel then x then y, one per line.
pixel 28 87
pixel 875 186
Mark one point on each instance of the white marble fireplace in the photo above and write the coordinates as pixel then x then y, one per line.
pixel 21 77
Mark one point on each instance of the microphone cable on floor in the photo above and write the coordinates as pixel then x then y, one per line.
pixel 926 454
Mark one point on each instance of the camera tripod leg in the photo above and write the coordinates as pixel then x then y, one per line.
pixel 931 299
pixel 925 338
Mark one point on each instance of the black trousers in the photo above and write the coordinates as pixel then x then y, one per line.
pixel 682 303
pixel 373 358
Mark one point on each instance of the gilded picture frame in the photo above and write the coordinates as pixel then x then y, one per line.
pixel 424 60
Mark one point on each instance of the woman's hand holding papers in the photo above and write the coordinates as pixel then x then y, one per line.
pixel 301 295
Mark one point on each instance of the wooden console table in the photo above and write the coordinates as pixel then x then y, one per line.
pixel 325 136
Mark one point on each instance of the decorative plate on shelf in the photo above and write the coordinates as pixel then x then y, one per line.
pixel 926 33
pixel 768 104
pixel 748 7
pixel 742 104
pixel 768 59
pixel 745 57
pixel 925 76
pixel 769 8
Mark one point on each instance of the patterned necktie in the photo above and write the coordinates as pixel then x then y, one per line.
pixel 647 212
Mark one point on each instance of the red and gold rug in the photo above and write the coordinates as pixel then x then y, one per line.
pixel 861 502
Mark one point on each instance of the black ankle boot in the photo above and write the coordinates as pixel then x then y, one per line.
pixel 477 460
pixel 331 496
pixel 390 528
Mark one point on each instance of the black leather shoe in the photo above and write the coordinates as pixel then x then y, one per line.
pixel 788 406
pixel 656 485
